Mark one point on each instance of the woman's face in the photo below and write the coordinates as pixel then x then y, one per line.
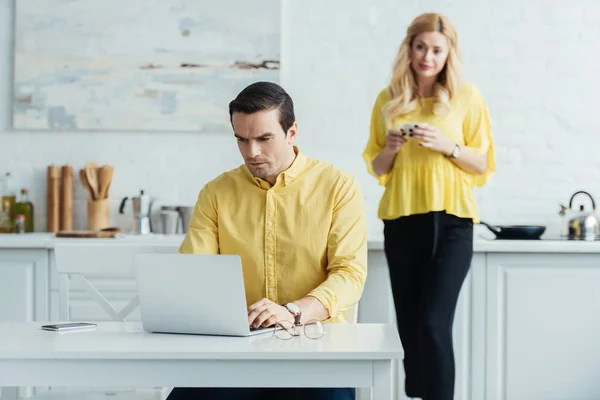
pixel 429 53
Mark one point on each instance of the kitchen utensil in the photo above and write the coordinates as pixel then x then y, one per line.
pixel 516 232
pixel 142 206
pixel 85 185
pixel 92 179
pixel 105 174
pixel 583 223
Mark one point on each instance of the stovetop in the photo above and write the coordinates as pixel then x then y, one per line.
pixel 549 238
pixel 566 237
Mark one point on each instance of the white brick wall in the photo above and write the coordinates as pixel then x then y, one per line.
pixel 536 63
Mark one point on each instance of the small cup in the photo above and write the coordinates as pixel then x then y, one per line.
pixel 170 221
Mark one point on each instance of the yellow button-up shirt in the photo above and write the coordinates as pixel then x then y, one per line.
pixel 305 235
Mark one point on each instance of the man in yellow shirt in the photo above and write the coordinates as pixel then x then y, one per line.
pixel 298 224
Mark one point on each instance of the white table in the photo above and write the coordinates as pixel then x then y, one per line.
pixel 122 354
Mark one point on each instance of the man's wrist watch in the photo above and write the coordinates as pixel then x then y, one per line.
pixel 455 153
pixel 295 311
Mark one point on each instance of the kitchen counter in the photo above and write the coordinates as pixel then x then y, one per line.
pixel 47 240
pixel 505 326
pixel 482 243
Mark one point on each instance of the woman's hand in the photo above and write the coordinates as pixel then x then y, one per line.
pixel 395 140
pixel 384 161
pixel 431 138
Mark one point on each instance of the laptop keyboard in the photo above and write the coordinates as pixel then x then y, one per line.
pixel 260 328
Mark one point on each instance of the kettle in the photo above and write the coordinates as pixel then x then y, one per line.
pixel 584 224
pixel 142 206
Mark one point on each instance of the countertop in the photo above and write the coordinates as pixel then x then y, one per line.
pixel 481 244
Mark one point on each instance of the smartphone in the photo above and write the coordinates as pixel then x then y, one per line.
pixel 69 326
pixel 409 128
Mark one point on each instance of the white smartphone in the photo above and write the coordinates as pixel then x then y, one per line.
pixel 408 128
pixel 69 326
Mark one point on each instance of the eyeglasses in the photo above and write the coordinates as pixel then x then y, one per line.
pixel 286 330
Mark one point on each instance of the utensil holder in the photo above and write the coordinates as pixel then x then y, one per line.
pixel 98 214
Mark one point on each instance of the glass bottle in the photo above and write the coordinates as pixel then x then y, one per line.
pixel 25 207
pixel 19 223
pixel 9 194
pixel 6 224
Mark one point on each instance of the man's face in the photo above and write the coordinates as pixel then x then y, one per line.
pixel 266 148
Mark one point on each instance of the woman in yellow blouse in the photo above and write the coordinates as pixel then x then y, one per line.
pixel 430 145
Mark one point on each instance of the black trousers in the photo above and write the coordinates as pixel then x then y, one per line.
pixel 262 394
pixel 428 257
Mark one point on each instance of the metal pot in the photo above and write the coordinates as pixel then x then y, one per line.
pixel 584 224
pixel 186 213
pixel 516 232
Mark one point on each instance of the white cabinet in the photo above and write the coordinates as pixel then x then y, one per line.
pixel 377 306
pixel 468 334
pixel 527 324
pixel 543 326
pixel 24 287
pixel 24 284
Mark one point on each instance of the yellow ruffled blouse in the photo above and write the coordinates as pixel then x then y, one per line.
pixel 422 180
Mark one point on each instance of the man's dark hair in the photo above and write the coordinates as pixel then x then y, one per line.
pixel 265 96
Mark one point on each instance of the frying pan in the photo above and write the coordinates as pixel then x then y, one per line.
pixel 528 232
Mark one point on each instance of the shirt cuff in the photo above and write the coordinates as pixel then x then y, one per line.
pixel 329 300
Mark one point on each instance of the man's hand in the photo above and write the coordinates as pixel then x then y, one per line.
pixel 266 313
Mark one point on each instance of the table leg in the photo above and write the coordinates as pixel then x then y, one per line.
pixel 382 380
pixel 10 393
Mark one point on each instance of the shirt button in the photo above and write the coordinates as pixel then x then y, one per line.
pixel 271 290
pixel 269 256
pixel 270 223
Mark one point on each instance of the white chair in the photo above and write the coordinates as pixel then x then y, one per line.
pixel 83 262
pixel 352 315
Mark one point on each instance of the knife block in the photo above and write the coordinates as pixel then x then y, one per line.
pixel 98 214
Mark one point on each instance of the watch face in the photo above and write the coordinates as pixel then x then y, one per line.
pixel 293 307
pixel 456 151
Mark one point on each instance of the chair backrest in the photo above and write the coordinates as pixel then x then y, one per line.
pixel 352 314
pixel 81 260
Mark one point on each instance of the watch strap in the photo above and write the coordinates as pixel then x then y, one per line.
pixel 297 315
pixel 455 152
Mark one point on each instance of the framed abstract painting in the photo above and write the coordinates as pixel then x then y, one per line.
pixel 139 65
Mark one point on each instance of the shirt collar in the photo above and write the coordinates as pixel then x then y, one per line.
pixel 298 166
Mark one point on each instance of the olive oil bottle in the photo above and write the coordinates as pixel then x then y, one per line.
pixel 6 224
pixel 25 207
pixel 7 204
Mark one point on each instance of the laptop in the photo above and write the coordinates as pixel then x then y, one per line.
pixel 198 294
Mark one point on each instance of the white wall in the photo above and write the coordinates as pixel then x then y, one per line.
pixel 536 63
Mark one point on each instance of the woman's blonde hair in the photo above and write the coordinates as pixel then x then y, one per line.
pixel 403 87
